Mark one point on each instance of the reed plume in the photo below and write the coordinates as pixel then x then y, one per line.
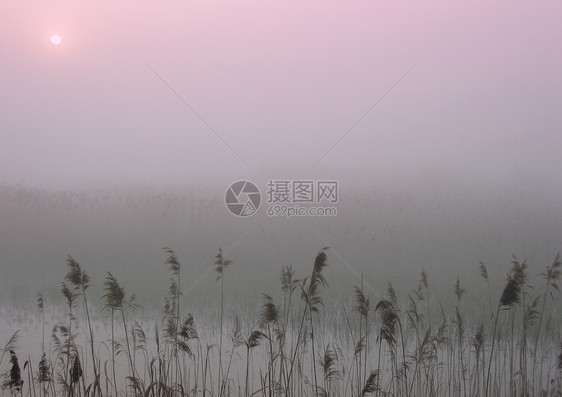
pixel 44 370
pixel 75 371
pixel 172 308
pixel 313 299
pixel 372 384
pixel 11 344
pixel 114 297
pixel 509 297
pixel 389 318
pixel 269 312
pixel 484 274
pixel 81 281
pixel 253 341
pixel 328 364
pixel 41 310
pixel 362 306
pixel 13 380
pixel 483 271
pixel 310 295
pixel 550 275
pixel 459 292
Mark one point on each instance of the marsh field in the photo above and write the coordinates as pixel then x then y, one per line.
pixel 160 293
pixel 280 198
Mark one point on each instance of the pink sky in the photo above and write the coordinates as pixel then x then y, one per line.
pixel 280 82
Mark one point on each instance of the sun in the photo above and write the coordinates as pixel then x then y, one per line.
pixel 56 39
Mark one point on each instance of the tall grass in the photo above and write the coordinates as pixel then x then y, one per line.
pixel 220 266
pixel 81 281
pixel 298 347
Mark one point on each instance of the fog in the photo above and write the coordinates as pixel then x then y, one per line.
pixel 125 126
pixel 383 235
pixel 269 87
pixel 439 122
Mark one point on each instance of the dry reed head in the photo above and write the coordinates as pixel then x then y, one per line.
pixel 11 344
pixel 236 333
pixel 389 318
pixel 320 261
pixel 288 281
pixel 172 260
pixel 478 340
pixel 13 377
pixel 483 271
pixel 44 370
pixel 510 294
pixel 552 273
pixel 69 295
pixel 361 302
pixel 114 295
pixel 269 313
pixel 76 370
pixel 359 346
pixel 519 271
pixel 414 316
pixel 458 290
pixel 391 294
pixel 423 279
pixel 532 314
pixel 328 363
pixel 311 294
pixel 40 303
pixel 372 384
pixel 187 329
pixel 75 275
pixel 221 263
pixel 140 336
pixel 516 279
pixel 254 339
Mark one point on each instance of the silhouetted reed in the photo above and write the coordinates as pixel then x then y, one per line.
pixel 407 348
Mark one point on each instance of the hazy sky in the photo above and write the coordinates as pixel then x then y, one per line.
pixel 280 81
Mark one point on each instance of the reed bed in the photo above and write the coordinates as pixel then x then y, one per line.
pixel 295 344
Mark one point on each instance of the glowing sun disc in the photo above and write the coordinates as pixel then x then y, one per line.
pixel 56 39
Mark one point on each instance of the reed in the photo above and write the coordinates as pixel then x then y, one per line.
pixel 81 281
pixel 299 347
pixel 220 266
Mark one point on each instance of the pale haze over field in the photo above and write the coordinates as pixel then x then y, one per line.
pixel 268 88
pixel 280 82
